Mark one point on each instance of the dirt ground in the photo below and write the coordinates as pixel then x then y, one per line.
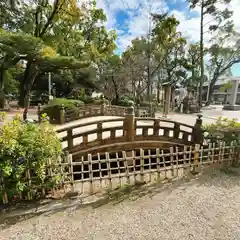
pixel 200 207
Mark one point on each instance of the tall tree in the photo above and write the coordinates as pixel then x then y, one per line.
pixel 69 30
pixel 209 8
pixel 112 79
pixel 225 52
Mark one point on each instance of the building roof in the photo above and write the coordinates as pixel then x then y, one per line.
pixel 222 81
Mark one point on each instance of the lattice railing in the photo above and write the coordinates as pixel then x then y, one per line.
pixel 91 174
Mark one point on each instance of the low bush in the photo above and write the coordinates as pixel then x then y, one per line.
pixel 25 151
pixel 66 102
pixel 148 104
pixel 223 129
pixel 52 109
pixel 93 101
pixel 125 101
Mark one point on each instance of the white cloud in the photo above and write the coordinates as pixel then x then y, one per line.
pixel 235 6
pixel 138 11
pixel 111 20
pixel 138 23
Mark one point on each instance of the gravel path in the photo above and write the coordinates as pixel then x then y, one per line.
pixel 204 208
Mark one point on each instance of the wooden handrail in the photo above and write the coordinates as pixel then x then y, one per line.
pixel 119 119
pixel 162 120
pixel 130 127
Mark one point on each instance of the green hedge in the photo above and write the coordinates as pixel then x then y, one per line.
pixel 52 109
pixel 25 150
pixel 224 129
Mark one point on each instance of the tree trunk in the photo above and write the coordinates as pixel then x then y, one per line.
pixel 26 87
pixel 158 92
pixel 23 84
pixel 115 89
pixel 211 87
pixel 201 57
pixel 26 105
pixel 148 78
pixel 2 94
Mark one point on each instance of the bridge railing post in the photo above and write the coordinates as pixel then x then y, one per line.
pixel 70 138
pixel 129 125
pixel 103 109
pixel 197 131
pixel 62 115
pixel 176 130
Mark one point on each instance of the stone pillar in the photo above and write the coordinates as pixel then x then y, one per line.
pixel 167 99
pixel 233 97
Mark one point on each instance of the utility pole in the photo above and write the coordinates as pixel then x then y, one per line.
pixel 149 84
pixel 50 86
pixel 201 56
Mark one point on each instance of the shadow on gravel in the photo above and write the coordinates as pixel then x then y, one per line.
pixel 24 211
pixel 139 190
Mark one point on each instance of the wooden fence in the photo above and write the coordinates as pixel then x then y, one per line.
pixel 91 174
pixel 128 129
pixel 65 115
pixel 88 175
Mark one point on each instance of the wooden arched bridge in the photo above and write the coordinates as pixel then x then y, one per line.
pixel 127 133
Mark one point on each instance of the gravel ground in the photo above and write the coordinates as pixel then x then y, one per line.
pixel 203 208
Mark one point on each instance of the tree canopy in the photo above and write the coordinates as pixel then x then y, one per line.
pixel 71 41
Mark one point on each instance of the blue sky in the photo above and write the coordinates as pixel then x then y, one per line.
pixel 130 19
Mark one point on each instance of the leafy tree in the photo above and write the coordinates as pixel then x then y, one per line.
pixel 193 58
pixel 224 54
pixel 13 48
pixel 219 17
pixel 113 83
pixel 145 59
pixel 169 50
pixel 70 39
pixel 21 46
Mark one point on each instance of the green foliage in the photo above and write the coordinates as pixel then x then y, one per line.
pixel 11 85
pixel 126 102
pixel 53 108
pixel 80 94
pixel 26 148
pixel 65 102
pixel 224 129
pixel 226 86
pixel 93 101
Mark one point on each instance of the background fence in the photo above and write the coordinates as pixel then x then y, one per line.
pixel 91 174
pixel 63 114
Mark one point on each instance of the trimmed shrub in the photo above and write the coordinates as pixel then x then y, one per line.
pixel 125 102
pixel 52 109
pixel 223 129
pixel 25 150
pixel 93 101
pixel 66 102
